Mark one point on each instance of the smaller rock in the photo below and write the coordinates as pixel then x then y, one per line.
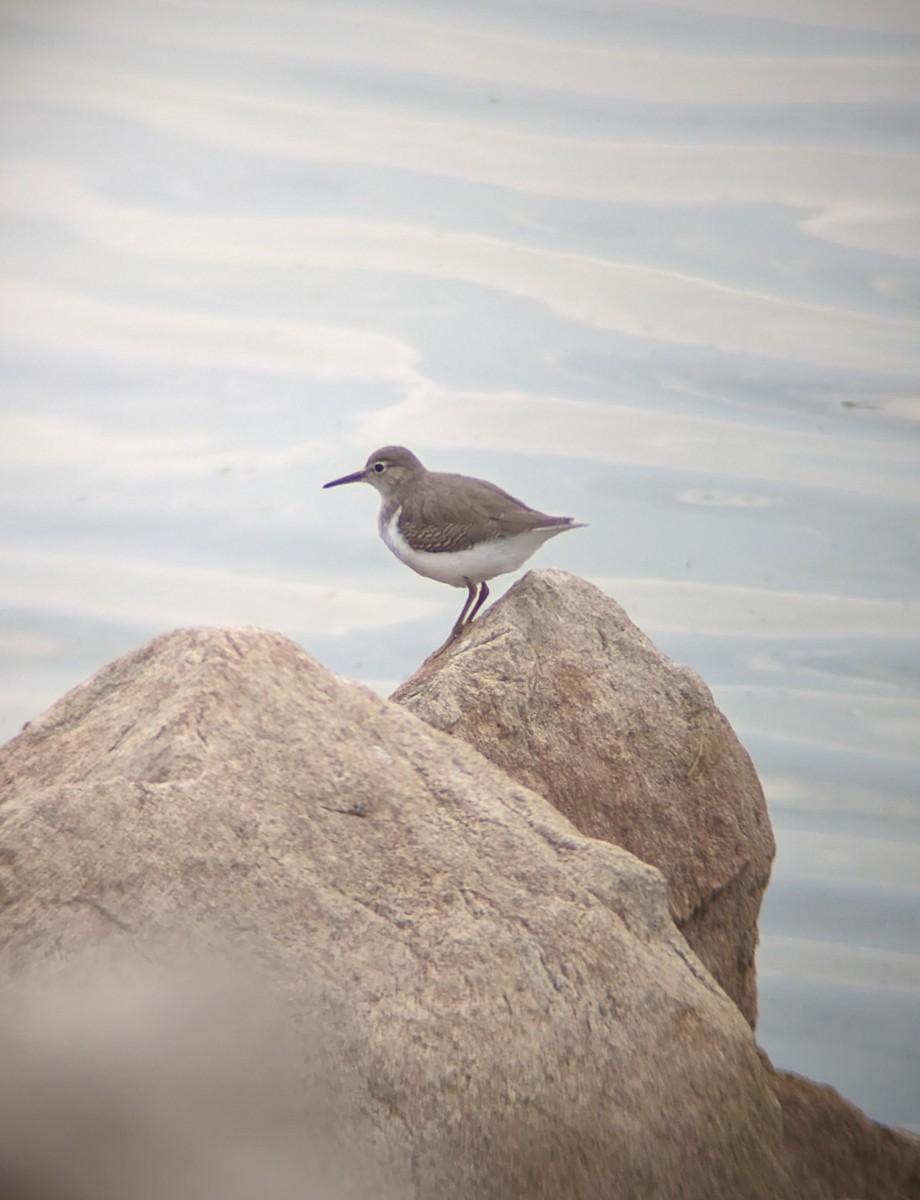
pixel 560 689
pixel 835 1150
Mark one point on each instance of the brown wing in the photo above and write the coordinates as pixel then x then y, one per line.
pixel 459 512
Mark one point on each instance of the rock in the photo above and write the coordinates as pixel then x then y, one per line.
pixel 557 686
pixel 128 1080
pixel 836 1151
pixel 500 1006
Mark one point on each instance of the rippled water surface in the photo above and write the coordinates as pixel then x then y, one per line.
pixel 653 265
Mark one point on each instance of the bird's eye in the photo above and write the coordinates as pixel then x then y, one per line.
pixel 380 468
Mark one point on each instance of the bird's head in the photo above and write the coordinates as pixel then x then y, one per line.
pixel 385 470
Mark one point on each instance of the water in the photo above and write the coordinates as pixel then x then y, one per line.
pixel 655 266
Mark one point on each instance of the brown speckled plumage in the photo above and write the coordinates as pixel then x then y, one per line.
pixel 429 521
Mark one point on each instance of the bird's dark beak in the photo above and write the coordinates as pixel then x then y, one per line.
pixel 355 477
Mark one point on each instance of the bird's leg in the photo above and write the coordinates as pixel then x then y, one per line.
pixel 483 596
pixel 458 624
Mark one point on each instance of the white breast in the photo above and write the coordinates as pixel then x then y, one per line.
pixel 477 564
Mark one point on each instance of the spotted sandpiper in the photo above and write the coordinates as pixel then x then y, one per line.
pixel 452 528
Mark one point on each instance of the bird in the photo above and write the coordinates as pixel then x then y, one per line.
pixel 452 528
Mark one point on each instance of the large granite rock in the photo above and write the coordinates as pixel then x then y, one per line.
pixel 499 1006
pixel 560 689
